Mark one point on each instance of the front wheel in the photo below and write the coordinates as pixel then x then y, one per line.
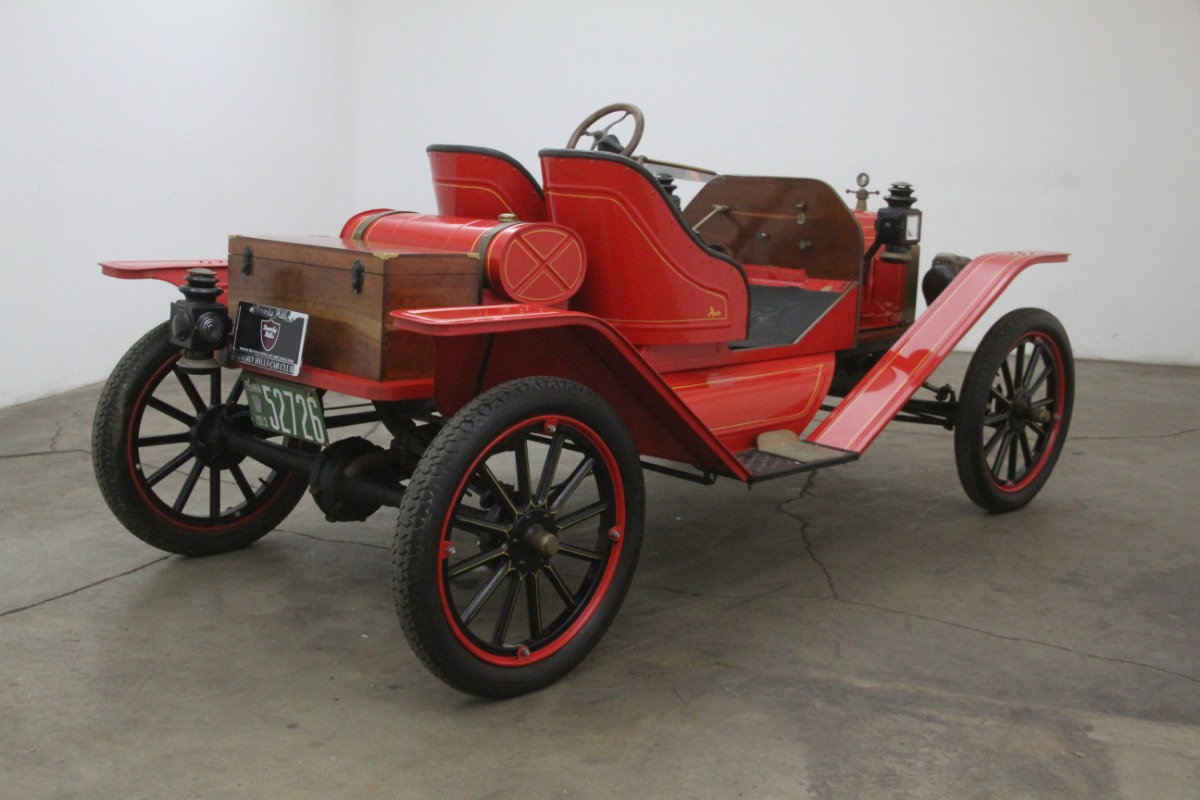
pixel 518 537
pixel 1014 410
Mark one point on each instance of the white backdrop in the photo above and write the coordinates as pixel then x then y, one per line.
pixel 135 130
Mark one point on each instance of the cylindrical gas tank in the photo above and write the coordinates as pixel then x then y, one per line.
pixel 528 262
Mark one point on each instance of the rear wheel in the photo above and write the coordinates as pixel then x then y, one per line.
pixel 165 477
pixel 1014 410
pixel 518 537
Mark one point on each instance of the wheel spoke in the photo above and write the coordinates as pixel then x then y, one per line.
pixel 1039 430
pixel 465 518
pixel 585 513
pixel 1002 451
pixel 1018 373
pixel 170 438
pixel 1026 452
pixel 171 411
pixel 571 551
pixel 524 481
pixel 564 492
pixel 239 478
pixel 561 588
pixel 235 393
pixel 475 561
pixel 1006 376
pixel 549 468
pixel 214 492
pixel 214 387
pixel 506 610
pixel 533 604
pixel 485 592
pixel 996 437
pixel 188 485
pixel 172 465
pixel 498 490
pixel 999 418
pixel 189 389
pixel 1041 378
pixel 1012 459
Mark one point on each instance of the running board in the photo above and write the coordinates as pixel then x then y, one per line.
pixel 783 453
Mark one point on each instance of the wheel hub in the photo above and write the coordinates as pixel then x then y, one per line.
pixel 534 541
pixel 209 442
pixel 1019 412
pixel 542 542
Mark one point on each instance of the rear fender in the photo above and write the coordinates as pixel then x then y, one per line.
pixel 880 395
pixel 479 347
pixel 172 272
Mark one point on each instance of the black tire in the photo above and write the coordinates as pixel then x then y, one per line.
pixel 1014 410
pixel 531 497
pixel 168 491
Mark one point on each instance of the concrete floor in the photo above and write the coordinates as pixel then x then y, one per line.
pixel 863 633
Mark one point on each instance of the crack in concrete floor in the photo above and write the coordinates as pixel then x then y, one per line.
pixel 84 588
pixel 836 597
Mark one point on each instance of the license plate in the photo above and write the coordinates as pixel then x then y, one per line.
pixel 285 408
pixel 269 338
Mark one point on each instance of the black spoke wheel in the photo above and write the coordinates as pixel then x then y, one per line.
pixel 518 537
pixel 162 470
pixel 1014 410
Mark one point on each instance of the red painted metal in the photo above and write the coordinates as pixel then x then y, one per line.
pixel 380 227
pixel 881 394
pixel 866 220
pixel 739 402
pixel 650 278
pixel 479 347
pixel 535 263
pixel 173 272
pixel 527 262
pixel 480 183
pixel 411 389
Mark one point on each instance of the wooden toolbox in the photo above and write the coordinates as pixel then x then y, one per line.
pixel 347 289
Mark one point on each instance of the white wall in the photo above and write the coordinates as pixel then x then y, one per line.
pixel 151 130
pixel 154 130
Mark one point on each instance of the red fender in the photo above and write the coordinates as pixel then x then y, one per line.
pixel 884 390
pixel 478 347
pixel 172 272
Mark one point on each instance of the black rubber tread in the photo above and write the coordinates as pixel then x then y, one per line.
pixel 115 412
pixel 416 547
pixel 997 343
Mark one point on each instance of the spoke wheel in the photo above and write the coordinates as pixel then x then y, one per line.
pixel 1014 410
pixel 518 537
pixel 162 469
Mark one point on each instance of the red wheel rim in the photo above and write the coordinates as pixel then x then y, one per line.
pixel 532 541
pixel 1023 416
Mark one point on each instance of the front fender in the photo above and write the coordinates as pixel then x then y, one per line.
pixel 890 384
pixel 479 347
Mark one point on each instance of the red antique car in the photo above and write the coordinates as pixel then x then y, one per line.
pixel 531 349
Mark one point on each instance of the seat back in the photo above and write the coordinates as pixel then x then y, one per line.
pixel 797 223
pixel 479 183
pixel 648 274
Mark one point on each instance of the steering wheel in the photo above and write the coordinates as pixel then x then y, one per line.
pixel 600 138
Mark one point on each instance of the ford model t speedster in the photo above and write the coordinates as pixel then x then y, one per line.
pixel 531 348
